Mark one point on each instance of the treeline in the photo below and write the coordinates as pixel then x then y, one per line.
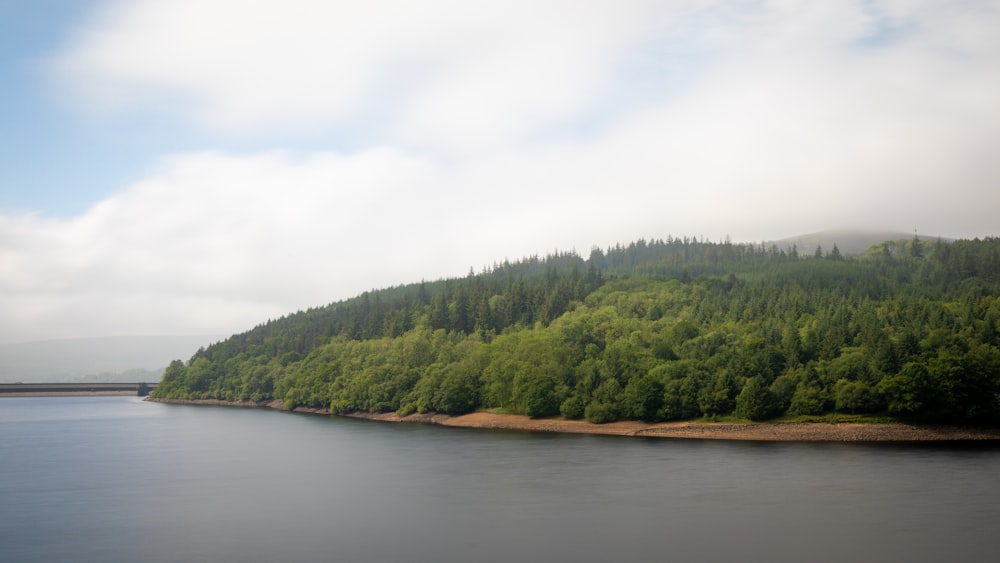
pixel 656 330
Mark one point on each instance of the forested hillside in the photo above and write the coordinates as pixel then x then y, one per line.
pixel 656 330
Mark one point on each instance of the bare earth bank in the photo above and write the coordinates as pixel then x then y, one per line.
pixel 763 431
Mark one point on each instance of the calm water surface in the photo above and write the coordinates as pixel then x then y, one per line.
pixel 116 479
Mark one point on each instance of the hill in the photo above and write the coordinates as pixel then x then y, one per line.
pixel 850 242
pixel 655 330
pixel 108 359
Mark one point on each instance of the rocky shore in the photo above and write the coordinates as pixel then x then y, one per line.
pixel 762 431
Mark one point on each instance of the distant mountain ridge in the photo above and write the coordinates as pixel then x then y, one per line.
pixel 107 359
pixel 851 242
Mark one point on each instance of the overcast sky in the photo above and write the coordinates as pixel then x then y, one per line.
pixel 200 166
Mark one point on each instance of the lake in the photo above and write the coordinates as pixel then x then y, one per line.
pixel 104 479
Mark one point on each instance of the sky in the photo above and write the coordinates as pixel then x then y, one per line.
pixel 201 166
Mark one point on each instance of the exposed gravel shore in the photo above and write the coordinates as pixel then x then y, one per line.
pixel 763 431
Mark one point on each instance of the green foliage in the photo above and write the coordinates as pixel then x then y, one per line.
pixel 755 401
pixel 605 405
pixel 718 397
pixel 642 399
pixel 539 396
pixel 572 408
pixel 173 383
pixel 904 392
pixel 599 413
pixel 782 389
pixel 655 330
pixel 855 397
pixel 457 392
pixel 809 400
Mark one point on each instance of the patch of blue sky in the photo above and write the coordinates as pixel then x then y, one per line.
pixel 654 72
pixel 58 161
pixel 884 29
pixel 30 131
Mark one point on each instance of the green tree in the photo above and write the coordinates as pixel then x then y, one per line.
pixel 855 397
pixel 809 400
pixel 457 393
pixel 904 392
pixel 642 399
pixel 573 407
pixel 604 407
pixel 199 376
pixel 755 401
pixel 173 383
pixel 599 413
pixel 539 396
pixel 718 397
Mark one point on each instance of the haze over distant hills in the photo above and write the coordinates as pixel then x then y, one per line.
pixel 135 358
pixel 847 241
pixel 143 358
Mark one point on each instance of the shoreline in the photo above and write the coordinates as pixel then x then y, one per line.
pixel 755 431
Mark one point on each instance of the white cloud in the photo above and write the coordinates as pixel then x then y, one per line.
pixel 479 76
pixel 704 119
pixel 210 242
pixel 444 73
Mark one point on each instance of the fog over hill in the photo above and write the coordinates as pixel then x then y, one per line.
pixel 102 358
pixel 142 358
pixel 847 241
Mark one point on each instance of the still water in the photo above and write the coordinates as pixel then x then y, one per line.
pixel 116 479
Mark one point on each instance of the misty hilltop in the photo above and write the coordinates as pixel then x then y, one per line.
pixel 108 359
pixel 848 241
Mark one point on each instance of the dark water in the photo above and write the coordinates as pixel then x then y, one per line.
pixel 116 479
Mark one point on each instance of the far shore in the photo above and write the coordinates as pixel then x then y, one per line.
pixel 758 431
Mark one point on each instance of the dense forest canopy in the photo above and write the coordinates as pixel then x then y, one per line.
pixel 655 330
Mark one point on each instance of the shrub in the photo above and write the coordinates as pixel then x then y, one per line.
pixel 599 413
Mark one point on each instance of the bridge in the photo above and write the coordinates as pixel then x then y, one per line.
pixel 56 389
